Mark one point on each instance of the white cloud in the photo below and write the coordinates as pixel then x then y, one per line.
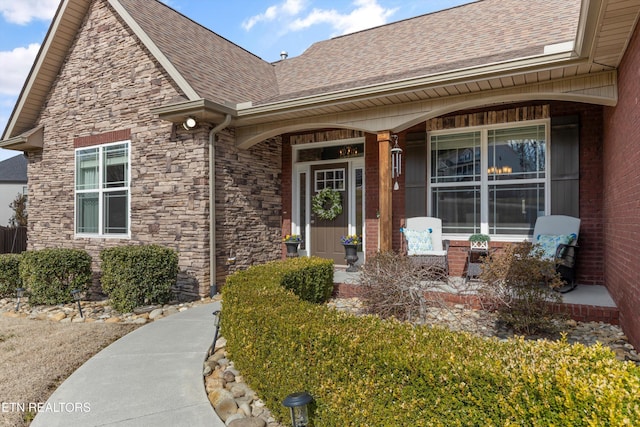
pixel 367 14
pixel 24 11
pixel 15 68
pixel 287 8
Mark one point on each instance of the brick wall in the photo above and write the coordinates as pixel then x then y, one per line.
pixel 106 86
pixel 621 191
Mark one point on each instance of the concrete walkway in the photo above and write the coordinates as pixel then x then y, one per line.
pixel 150 377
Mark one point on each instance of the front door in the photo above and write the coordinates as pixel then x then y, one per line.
pixel 326 234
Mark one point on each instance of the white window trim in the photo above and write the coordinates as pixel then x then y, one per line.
pixel 484 180
pixel 100 190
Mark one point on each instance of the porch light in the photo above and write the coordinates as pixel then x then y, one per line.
pixel 19 294
pixel 297 404
pixel 189 124
pixel 396 161
pixel 77 297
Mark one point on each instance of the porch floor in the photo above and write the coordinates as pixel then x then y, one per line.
pixel 584 303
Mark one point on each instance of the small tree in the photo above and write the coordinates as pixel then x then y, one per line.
pixel 519 284
pixel 19 206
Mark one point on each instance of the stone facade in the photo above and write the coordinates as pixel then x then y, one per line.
pixel 108 83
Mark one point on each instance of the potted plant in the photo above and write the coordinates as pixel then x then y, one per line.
pixel 479 241
pixel 351 243
pixel 292 241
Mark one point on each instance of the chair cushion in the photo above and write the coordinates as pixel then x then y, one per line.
pixel 549 243
pixel 418 242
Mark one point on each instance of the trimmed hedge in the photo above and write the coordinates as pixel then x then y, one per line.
pixel 309 278
pixel 136 275
pixel 50 275
pixel 369 371
pixel 9 275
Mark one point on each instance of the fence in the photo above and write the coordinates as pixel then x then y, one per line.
pixel 13 240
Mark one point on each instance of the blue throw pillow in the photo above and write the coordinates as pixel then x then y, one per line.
pixel 549 243
pixel 418 242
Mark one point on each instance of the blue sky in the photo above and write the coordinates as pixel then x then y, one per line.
pixel 264 28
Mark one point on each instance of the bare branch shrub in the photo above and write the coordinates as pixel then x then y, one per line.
pixel 519 284
pixel 394 286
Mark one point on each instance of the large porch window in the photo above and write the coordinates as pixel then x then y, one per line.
pixel 490 180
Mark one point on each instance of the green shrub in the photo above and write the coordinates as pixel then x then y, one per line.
pixel 369 371
pixel 9 274
pixel 136 275
pixel 309 278
pixel 49 275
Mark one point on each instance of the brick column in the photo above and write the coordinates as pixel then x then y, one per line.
pixel 384 190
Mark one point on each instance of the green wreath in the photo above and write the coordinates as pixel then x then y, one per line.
pixel 327 196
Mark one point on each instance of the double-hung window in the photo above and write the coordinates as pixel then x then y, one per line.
pixel 102 190
pixel 490 180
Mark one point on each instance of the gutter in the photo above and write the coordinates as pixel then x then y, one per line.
pixel 212 204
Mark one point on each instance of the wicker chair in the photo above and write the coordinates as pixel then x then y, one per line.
pixel 423 244
pixel 561 232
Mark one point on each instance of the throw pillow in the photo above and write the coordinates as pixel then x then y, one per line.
pixel 418 242
pixel 549 243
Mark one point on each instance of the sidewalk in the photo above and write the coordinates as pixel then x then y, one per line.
pixel 150 377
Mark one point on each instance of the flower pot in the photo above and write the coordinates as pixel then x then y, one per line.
pixel 292 249
pixel 351 255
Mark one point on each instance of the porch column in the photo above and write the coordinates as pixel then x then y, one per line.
pixel 384 190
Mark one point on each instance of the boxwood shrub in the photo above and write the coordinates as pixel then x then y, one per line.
pixel 9 275
pixel 49 275
pixel 136 275
pixel 369 371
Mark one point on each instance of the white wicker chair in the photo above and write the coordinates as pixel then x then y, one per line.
pixel 436 258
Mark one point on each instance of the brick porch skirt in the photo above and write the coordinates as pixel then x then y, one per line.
pixel 578 312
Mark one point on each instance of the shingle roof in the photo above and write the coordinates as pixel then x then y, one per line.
pixel 14 169
pixel 216 68
pixel 475 34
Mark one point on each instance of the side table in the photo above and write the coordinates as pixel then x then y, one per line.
pixel 474 262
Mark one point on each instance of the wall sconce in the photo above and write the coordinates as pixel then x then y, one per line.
pixel 19 294
pixel 189 124
pixel 297 404
pixel 216 315
pixel 77 297
pixel 396 161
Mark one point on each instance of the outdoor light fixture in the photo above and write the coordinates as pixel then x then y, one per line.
pixel 76 297
pixel 189 124
pixel 216 314
pixel 19 294
pixel 297 404
pixel 396 161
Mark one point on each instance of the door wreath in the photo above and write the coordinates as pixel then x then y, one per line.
pixel 327 197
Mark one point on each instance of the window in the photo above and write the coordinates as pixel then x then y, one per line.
pixel 330 178
pixel 102 190
pixel 491 180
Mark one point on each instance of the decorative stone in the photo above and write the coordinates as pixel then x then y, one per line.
pixel 226 408
pixel 248 422
pixel 234 417
pixel 56 317
pixel 156 313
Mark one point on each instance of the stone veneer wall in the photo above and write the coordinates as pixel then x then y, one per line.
pixel 248 204
pixel 108 83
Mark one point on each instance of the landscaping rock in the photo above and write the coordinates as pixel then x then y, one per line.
pixel 248 422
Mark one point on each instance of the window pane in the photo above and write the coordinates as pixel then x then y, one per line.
pixel 458 207
pixel 517 153
pixel 514 209
pixel 87 169
pixel 115 212
pixel 115 166
pixel 455 158
pixel 87 213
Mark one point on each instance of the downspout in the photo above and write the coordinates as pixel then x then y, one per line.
pixel 212 204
